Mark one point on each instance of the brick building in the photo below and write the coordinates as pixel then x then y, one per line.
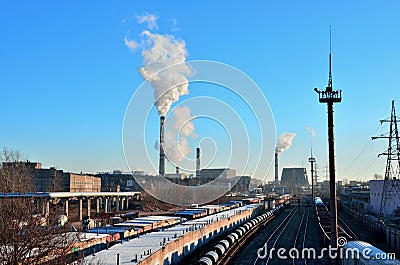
pixel 53 180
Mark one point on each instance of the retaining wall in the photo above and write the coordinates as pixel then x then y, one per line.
pixel 391 235
pixel 173 252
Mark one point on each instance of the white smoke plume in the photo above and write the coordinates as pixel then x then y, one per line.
pixel 131 44
pixel 174 23
pixel 284 142
pixel 311 131
pixel 178 128
pixel 150 19
pixel 160 52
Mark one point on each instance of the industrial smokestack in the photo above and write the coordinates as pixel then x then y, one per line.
pixel 197 162
pixel 161 166
pixel 276 169
pixel 177 170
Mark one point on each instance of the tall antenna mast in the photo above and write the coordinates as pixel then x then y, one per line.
pixel 329 96
pixel 330 57
pixel 312 161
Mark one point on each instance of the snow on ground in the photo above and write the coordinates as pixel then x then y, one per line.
pixel 149 243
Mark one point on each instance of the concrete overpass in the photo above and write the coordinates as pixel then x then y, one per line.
pixel 121 199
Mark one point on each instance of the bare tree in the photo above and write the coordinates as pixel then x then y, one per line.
pixel 14 174
pixel 26 235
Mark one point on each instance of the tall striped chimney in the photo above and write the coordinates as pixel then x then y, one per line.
pixel 161 166
pixel 276 169
pixel 197 162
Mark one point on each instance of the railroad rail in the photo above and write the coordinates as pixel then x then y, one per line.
pixel 324 222
pixel 300 241
pixel 225 249
pixel 290 230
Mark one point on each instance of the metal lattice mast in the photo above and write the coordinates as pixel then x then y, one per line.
pixel 330 96
pixel 392 172
pixel 312 161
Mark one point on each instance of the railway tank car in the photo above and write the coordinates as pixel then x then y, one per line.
pixel 318 201
pixel 363 253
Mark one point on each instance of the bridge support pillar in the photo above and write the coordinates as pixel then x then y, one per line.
pixel 121 203
pixel 127 203
pixel 80 209
pixel 106 205
pixel 66 208
pixel 88 207
pixel 97 205
pixel 117 201
pixel 46 207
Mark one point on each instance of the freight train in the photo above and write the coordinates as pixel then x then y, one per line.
pixel 363 253
pixel 223 246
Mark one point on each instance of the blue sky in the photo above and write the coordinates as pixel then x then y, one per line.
pixel 66 76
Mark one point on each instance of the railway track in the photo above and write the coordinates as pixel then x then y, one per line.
pixel 300 241
pixel 294 228
pixel 347 229
pixel 276 241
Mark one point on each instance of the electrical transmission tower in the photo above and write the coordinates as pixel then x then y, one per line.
pixel 391 187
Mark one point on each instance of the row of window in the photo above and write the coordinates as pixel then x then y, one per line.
pixel 84 183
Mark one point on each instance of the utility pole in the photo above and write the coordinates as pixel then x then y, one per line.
pixel 390 182
pixel 330 96
pixel 316 179
pixel 312 161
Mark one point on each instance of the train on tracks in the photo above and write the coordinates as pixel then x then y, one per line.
pixel 354 252
pixel 223 247
pixel 363 253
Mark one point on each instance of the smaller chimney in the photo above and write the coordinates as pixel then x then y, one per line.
pixel 276 169
pixel 177 170
pixel 161 166
pixel 197 162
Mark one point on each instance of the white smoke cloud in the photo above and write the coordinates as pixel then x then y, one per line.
pixel 174 23
pixel 150 19
pixel 284 142
pixel 161 51
pixel 131 44
pixel 179 128
pixel 311 131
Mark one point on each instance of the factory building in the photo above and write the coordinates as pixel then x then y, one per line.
pixel 177 176
pixel 53 180
pixel 213 173
pixel 120 181
pixel 81 182
pixel 393 196
pixel 242 186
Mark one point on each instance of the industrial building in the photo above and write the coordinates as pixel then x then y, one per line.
pixel 81 182
pixel 119 181
pixel 213 173
pixel 178 175
pixel 242 186
pixel 54 180
pixel 393 198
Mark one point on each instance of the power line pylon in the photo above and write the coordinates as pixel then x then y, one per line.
pixel 392 173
